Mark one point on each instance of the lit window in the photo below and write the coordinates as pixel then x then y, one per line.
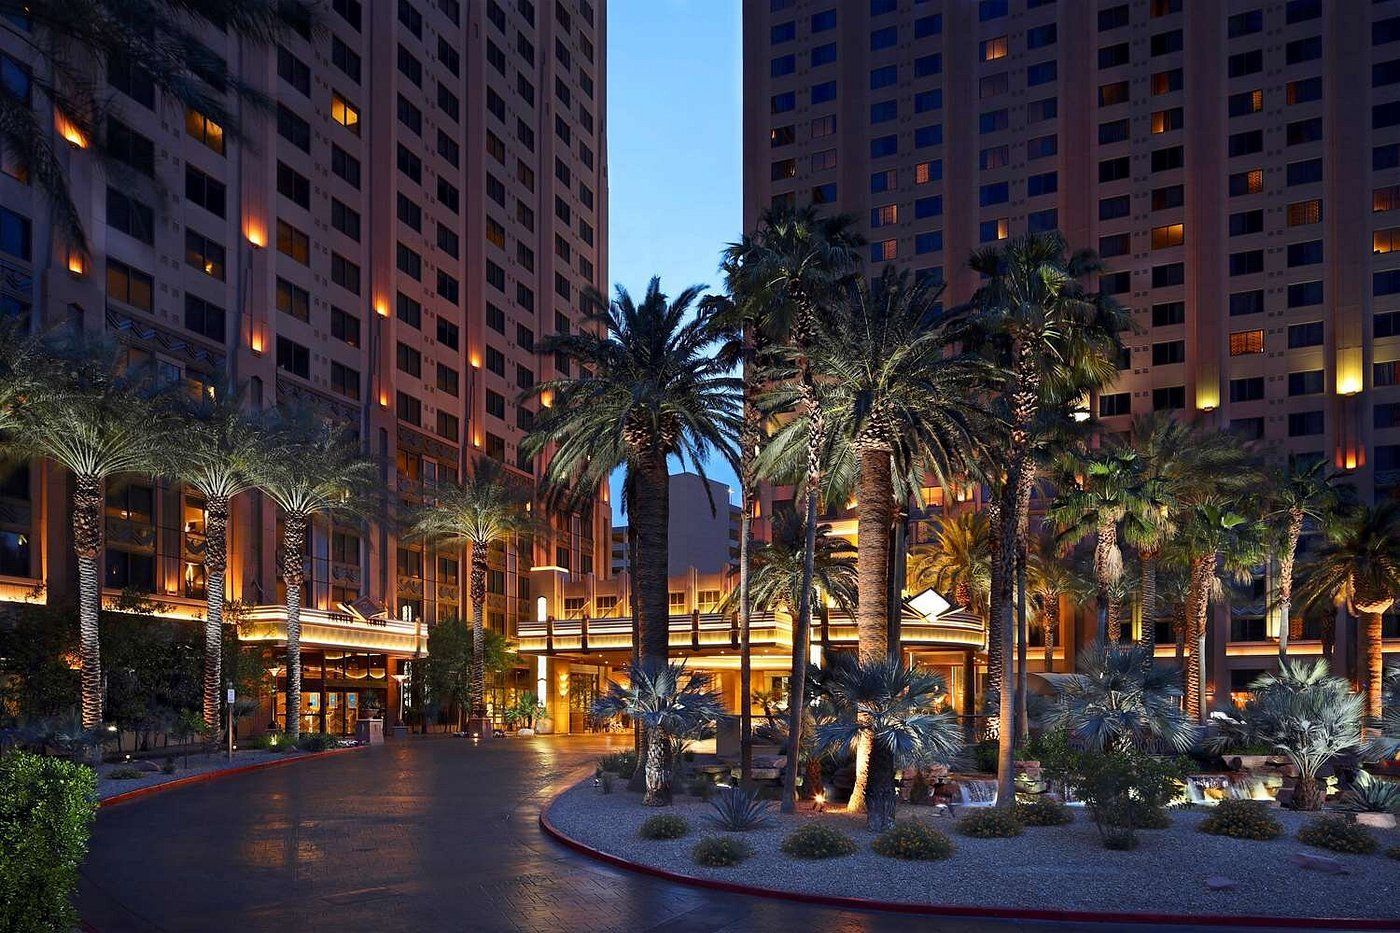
pixel 1170 235
pixel 884 216
pixel 884 251
pixel 1254 181
pixel 1245 342
pixel 204 129
pixel 344 113
pixel 1385 241
pixel 923 172
pixel 992 49
pixel 1385 199
pixel 1305 212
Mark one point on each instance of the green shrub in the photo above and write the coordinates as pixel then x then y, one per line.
pixel 815 840
pixel 984 756
pixel 47 806
pixel 990 823
pixel 1043 811
pixel 1120 840
pixel 912 840
pixel 1126 791
pixel 664 826
pixel 621 763
pixel 720 851
pixel 1242 819
pixel 1142 817
pixel 125 773
pixel 275 741
pixel 317 742
pixel 1337 833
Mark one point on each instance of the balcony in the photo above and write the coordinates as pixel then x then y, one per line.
pixel 321 628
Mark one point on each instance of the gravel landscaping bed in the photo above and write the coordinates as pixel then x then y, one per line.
pixel 1058 867
pixel 199 764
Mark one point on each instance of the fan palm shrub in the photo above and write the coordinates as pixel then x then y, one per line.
pixel 1052 340
pixel 98 417
pixel 162 41
pixel 315 468
pixel 1310 716
pixel 668 701
pixel 1358 565
pixel 784 276
pixel 483 511
pixel 223 447
pixel 896 709
pixel 1119 700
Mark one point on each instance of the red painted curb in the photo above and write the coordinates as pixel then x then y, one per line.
pixel 964 910
pixel 222 773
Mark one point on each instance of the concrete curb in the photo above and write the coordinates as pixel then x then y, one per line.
pixel 140 792
pixel 963 910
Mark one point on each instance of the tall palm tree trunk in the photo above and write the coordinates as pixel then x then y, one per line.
pixel 996 599
pixel 882 790
pixel 1103 556
pixel 651 514
pixel 801 636
pixel 476 675
pixel 87 546
pixel 1023 728
pixel 1050 620
pixel 216 511
pixel 293 575
pixel 745 641
pixel 875 492
pixel 658 787
pixel 1374 652
pixel 1197 602
pixel 1148 559
pixel 1285 580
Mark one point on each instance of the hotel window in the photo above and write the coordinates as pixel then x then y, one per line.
pixel 782 103
pixel 785 168
pixel 1111 94
pixel 1168 352
pixel 1307 382
pixel 823 55
pixel 1168 398
pixel 1385 241
pixel 1246 143
pixel 824 194
pixel 1164 160
pixel 1164 121
pixel 346 166
pixel 1386 324
pixel 1246 102
pixel 409 360
pixel 1114 169
pixel 925 172
pixel 1165 82
pixel 1116 244
pixel 1302 294
pixel 989 230
pixel 1116 283
pixel 293 357
pixel 1111 208
pixel 1248 262
pixel 994 157
pixel 293 300
pixel 931 99
pixel 992 49
pixel 1038 111
pixel 129 286
pixel 1041 184
pixel 1246 63
pixel 928 207
pixel 1303 131
pixel 884 76
pixel 1385 199
pixel 293 243
pixel 1248 389
pixel 994 85
pixel 1304 254
pixel 884 250
pixel 1386 415
pixel 1305 423
pixel 881 182
pixel 1302 50
pixel 1305 335
pixel 345 113
pixel 676 601
pixel 1251 182
pixel 1244 24
pixel 204 318
pixel 345 327
pixel 1305 212
pixel 1119 403
pixel 345 380
pixel 1244 223
pixel 1168 236
pixel 1111 56
pixel 1169 313
pixel 1385 374
pixel 205 130
pixel 1304 173
pixel 409 311
pixel 1042 147
pixel 992 121
pixel 824 160
pixel 1303 91
pixel 408 409
pixel 1164 43
pixel 884 146
pixel 1246 342
pixel 884 38
pixel 884 216
pixel 778 137
pixel 822 127
pixel 207 192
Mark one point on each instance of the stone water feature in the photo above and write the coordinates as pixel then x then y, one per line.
pixel 1207 790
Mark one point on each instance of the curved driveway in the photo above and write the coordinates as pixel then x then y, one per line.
pixel 423 835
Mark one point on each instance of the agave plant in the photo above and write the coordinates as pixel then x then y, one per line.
pixel 738 809
pixel 668 702
pixel 894 707
pixel 1309 716
pixel 1120 700
pixel 1371 795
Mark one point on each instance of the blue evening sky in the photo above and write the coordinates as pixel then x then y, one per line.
pixel 674 149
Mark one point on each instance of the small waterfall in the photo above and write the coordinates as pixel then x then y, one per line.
pixel 978 793
pixel 1209 789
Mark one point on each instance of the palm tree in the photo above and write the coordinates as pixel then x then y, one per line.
pixel 1049 580
pixel 775 579
pixel 1118 700
pixel 96 416
pixel 19 372
pixel 484 511
pixel 669 701
pixel 784 275
pixel 164 41
pixel 957 563
pixel 1309 716
pixel 222 449
pixel 1095 492
pixel 895 709
pixel 1299 493
pixel 1213 536
pixel 647 390
pixel 1359 566
pixel 316 468
pixel 1053 340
